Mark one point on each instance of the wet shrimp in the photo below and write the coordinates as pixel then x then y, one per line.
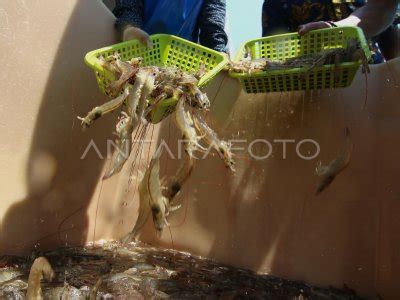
pixel 223 148
pixel 163 94
pixel 135 94
pixel 109 64
pixel 184 122
pixel 107 107
pixel 40 269
pixel 176 183
pixel 328 173
pixel 158 203
pixel 144 208
pixel 198 99
pixel 124 129
pixel 200 72
pixel 149 200
pixel 127 71
pixel 148 87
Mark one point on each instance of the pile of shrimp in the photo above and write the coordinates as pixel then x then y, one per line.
pixel 336 56
pixel 141 90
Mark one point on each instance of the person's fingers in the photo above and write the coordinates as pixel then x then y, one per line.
pixel 132 33
pixel 303 29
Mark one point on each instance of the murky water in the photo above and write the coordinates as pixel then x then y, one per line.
pixel 138 271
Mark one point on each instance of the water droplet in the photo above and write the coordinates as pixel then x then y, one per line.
pixel 125 204
pixel 121 222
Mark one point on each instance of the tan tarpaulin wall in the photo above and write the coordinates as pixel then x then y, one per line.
pixel 266 217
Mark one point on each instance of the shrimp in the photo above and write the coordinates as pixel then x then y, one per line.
pixel 148 88
pixel 201 71
pixel 147 190
pixel 223 148
pixel 200 99
pixel 124 129
pixel 175 184
pixel 109 64
pixel 158 203
pixel 127 71
pixel 329 172
pixel 40 269
pixel 95 289
pixel 107 107
pixel 144 208
pixel 166 93
pixel 136 61
pixel 135 95
pixel 185 124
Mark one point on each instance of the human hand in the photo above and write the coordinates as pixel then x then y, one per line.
pixel 303 29
pixel 131 33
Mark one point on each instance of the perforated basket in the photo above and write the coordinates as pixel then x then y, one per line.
pixel 167 50
pixel 281 47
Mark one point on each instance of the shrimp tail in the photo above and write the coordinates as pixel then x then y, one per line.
pixel 40 269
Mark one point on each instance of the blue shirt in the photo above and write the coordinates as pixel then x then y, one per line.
pixel 178 17
pixel 200 21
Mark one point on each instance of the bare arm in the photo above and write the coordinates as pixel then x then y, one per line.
pixel 374 17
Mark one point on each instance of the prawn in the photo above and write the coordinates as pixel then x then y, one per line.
pixel 167 93
pixel 40 269
pixel 135 95
pixel 107 107
pixel 223 148
pixel 158 203
pixel 145 203
pixel 109 64
pixel 200 99
pixel 126 70
pixel 148 87
pixel 328 173
pixel 184 122
pixel 124 129
pixel 175 184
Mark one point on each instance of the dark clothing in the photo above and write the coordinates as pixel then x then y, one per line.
pixel 281 16
pixel 199 21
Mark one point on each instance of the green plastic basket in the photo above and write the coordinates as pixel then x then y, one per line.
pixel 167 50
pixel 280 47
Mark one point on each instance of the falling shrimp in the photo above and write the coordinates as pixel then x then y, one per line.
pixel 144 208
pixel 40 269
pixel 176 183
pixel 185 124
pixel 146 186
pixel 223 148
pixel 107 107
pixel 158 203
pixel 124 130
pixel 328 173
